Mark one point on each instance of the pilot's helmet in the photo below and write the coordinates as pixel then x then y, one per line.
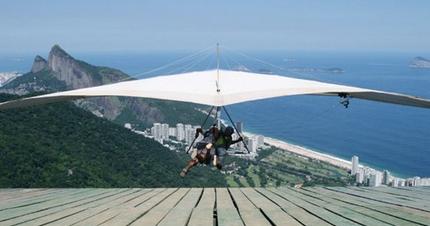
pixel 229 131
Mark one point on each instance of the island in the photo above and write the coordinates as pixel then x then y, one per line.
pixel 420 62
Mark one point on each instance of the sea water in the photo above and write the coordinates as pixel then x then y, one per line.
pixel 384 136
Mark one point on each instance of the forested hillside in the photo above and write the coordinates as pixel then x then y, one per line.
pixel 61 145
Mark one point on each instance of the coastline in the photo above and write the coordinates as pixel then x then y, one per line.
pixel 306 152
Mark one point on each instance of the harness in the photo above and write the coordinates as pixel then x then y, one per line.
pixel 203 154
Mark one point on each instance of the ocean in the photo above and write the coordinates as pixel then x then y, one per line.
pixel 384 136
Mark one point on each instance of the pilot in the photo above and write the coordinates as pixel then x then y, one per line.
pixel 213 147
pixel 223 141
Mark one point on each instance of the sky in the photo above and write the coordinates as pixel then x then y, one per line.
pixel 160 25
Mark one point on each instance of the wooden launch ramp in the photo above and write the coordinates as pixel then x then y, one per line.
pixel 216 206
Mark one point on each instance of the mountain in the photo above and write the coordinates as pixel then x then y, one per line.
pixel 6 77
pixel 420 62
pixel 63 72
pixel 61 145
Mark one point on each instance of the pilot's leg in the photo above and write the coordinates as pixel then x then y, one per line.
pixel 190 165
pixel 201 157
pixel 221 152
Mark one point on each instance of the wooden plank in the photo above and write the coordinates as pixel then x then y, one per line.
pixel 423 190
pixel 357 208
pixel 227 213
pixel 395 211
pixel 248 212
pixel 315 209
pixel 129 214
pixel 50 205
pixel 385 199
pixel 297 212
pixel 180 214
pixel 203 213
pixel 277 215
pixel 392 196
pixel 339 210
pixel 400 194
pixel 20 194
pixel 30 200
pixel 140 197
pixel 156 214
pixel 97 206
pixel 36 214
pixel 236 206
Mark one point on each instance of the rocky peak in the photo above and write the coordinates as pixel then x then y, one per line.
pixel 57 51
pixel 69 70
pixel 39 64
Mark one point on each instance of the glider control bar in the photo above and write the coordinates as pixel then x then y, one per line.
pixel 237 131
pixel 203 124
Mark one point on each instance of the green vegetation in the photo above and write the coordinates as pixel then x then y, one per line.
pixel 61 145
pixel 43 78
pixel 274 167
pixel 179 112
pixel 103 75
pixel 170 112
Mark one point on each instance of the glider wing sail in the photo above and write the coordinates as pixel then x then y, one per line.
pixel 235 87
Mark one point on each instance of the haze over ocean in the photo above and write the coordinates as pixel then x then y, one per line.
pixel 384 136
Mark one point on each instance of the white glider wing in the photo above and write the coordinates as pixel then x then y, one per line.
pixel 235 87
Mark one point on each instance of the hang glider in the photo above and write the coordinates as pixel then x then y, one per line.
pixel 219 88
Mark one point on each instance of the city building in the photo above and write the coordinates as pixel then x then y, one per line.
pixel 359 176
pixel 156 131
pixel 238 145
pixel 375 179
pixel 180 132
pixel 354 168
pixel 189 134
pixel 172 131
pixel 165 131
pixel 386 178
pixel 252 145
pixel 260 140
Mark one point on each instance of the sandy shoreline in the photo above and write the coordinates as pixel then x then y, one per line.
pixel 306 152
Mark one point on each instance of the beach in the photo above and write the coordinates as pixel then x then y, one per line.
pixel 305 152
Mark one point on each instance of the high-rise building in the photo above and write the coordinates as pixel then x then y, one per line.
pixel 189 134
pixel 180 132
pixel 172 131
pixel 238 145
pixel 156 131
pixel 359 176
pixel 239 127
pixel 260 140
pixel 165 131
pixel 252 145
pixel 354 168
pixel 386 177
pixel 396 182
pixel 375 179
